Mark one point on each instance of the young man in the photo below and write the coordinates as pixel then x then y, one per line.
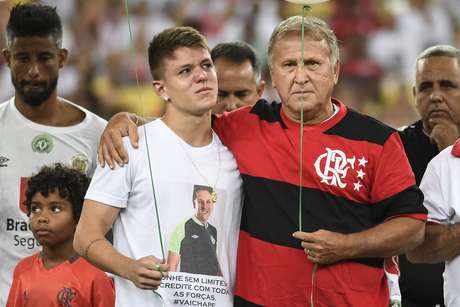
pixel 359 205
pixel 56 275
pixel 147 199
pixel 36 126
pixel 238 74
pixel 437 97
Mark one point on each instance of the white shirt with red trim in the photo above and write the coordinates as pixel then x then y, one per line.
pixel 441 187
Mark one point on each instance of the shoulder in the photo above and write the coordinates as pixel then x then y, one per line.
pixel 26 264
pixel 456 149
pixel 360 127
pixel 93 120
pixel 82 267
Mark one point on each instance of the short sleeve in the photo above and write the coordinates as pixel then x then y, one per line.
pixel 176 238
pixel 112 186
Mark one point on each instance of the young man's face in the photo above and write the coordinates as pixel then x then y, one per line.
pixel 52 220
pixel 237 83
pixel 315 82
pixel 34 63
pixel 437 90
pixel 203 205
pixel 189 81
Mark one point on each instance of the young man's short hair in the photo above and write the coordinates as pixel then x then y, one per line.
pixel 69 183
pixel 166 42
pixel 28 20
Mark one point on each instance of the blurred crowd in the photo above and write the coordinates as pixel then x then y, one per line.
pixel 380 39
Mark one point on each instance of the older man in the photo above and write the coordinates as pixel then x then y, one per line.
pixel 437 97
pixel 359 204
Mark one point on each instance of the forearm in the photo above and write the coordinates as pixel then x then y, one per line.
pixel 393 237
pixel 95 248
pixel 442 242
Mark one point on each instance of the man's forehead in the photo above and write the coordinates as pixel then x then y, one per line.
pixel 186 55
pixel 33 42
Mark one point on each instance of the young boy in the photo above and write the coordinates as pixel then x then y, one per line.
pixel 56 276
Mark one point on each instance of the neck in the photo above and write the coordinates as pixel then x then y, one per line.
pixel 194 130
pixel 55 255
pixel 51 112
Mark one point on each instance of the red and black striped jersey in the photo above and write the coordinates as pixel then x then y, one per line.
pixel 355 176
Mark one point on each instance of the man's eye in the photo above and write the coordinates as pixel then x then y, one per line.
pixel 34 209
pixel 56 209
pixel 184 71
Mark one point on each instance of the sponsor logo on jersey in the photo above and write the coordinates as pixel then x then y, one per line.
pixel 333 167
pixel 4 161
pixel 42 143
pixel 80 163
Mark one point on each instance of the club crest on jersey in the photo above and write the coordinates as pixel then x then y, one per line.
pixel 42 143
pixel 332 167
pixel 4 161
pixel 65 297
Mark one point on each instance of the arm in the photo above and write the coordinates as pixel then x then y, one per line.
pixel 111 148
pixel 15 294
pixel 390 238
pixel 96 219
pixel 442 242
pixel 173 261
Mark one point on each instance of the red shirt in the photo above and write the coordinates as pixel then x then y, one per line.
pixel 72 283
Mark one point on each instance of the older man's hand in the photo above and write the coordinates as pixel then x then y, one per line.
pixel 325 247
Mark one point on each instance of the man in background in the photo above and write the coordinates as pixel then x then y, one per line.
pixel 437 99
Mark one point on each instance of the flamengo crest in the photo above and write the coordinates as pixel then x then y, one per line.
pixel 332 166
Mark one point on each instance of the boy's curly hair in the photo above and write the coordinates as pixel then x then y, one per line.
pixel 69 183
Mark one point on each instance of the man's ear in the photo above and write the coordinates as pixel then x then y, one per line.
pixel 159 88
pixel 7 55
pixel 336 72
pixel 63 54
pixel 260 89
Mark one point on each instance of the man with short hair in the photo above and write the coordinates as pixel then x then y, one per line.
pixel 149 197
pixel 359 204
pixel 36 126
pixel 239 76
pixel 437 98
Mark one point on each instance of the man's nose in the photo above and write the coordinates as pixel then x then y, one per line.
pixel 33 71
pixel 301 76
pixel 231 103
pixel 201 75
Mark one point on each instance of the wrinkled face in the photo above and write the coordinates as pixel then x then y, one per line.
pixel 204 205
pixel 315 82
pixel 437 89
pixel 189 81
pixel 51 219
pixel 34 63
pixel 237 85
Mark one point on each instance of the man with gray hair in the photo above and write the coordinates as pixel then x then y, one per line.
pixel 437 99
pixel 359 203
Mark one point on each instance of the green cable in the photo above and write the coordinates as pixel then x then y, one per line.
pixel 133 54
pixel 302 42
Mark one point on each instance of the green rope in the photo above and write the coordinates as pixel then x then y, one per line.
pixel 133 54
pixel 302 65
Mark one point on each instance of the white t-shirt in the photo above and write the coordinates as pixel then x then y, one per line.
pixel 441 187
pixel 24 147
pixel 176 168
